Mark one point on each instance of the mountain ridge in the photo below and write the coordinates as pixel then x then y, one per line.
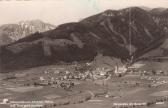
pixel 121 34
pixel 13 32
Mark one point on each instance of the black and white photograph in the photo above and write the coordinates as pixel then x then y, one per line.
pixel 83 53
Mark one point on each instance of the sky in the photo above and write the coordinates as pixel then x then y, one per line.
pixel 62 11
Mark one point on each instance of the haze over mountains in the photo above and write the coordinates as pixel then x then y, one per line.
pixel 13 32
pixel 117 33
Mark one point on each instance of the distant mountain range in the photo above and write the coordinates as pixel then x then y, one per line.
pixel 125 33
pixel 13 32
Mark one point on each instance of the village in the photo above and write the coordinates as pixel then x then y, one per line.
pixel 87 82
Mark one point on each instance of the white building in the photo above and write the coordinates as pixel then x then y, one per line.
pixel 5 101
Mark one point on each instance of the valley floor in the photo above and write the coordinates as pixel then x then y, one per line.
pixel 29 87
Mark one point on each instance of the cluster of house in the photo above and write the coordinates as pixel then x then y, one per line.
pixel 61 76
pixel 149 78
pixel 54 82
pixel 153 72
pixel 137 68
pixel 158 83
pixel 81 73
pixel 58 76
pixel 120 70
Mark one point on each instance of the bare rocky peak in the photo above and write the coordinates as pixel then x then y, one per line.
pixel 14 32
